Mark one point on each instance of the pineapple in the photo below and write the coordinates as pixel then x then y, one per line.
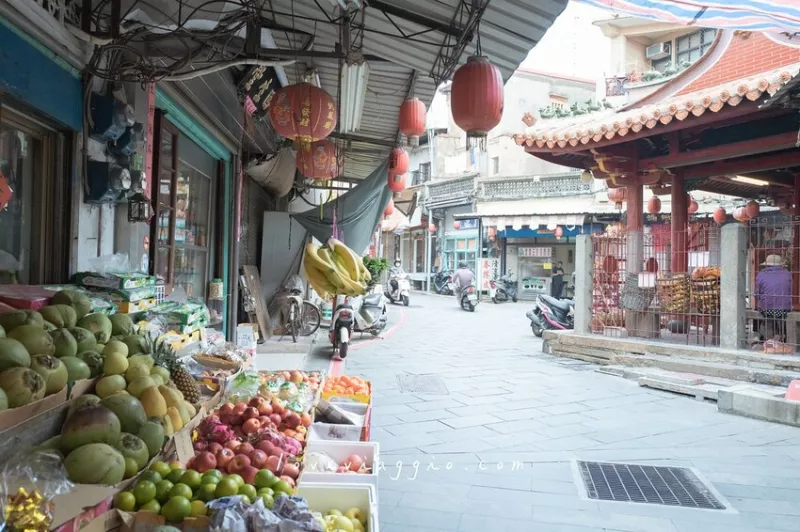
pixel 165 356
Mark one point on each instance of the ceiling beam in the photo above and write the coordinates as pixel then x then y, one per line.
pixel 391 9
pixel 745 165
pixel 365 140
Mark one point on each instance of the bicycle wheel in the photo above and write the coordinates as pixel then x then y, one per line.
pixel 310 319
pixel 294 312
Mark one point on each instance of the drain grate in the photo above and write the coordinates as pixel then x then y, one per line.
pixel 427 384
pixel 669 486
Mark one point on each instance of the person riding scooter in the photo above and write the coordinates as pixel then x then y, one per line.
pixel 398 284
pixel 462 278
pixel 394 272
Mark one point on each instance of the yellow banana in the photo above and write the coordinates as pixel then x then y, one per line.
pixel 318 280
pixel 348 258
pixel 352 286
pixel 322 263
pixel 365 275
pixel 337 277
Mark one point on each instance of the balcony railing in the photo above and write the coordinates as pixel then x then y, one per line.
pixel 452 191
pixel 62 10
pixel 530 187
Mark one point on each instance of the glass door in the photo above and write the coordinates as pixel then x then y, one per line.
pixel 165 204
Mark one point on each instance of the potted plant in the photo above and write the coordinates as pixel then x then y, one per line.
pixel 375 267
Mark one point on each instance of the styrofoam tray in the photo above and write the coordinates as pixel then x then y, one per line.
pixel 339 451
pixel 322 497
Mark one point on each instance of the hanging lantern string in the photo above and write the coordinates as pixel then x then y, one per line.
pixel 478 47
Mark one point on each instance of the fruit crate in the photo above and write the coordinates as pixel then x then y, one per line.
pixel 349 433
pixel 326 497
pixel 334 397
pixel 339 451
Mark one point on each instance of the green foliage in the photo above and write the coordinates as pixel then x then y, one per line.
pixel 375 267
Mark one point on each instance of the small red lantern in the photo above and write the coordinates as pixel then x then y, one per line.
pixel 397 183
pixel 412 120
pixel 476 98
pixel 693 206
pixel 431 228
pixel 457 225
pixel 752 209
pixel 720 216
pixel 317 160
pixel 398 161
pixel 559 232
pixel 654 205
pixel 389 208
pixel 617 195
pixel 492 232
pixel 303 113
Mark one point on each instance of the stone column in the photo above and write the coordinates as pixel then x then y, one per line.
pixel 680 257
pixel 584 269
pixel 733 285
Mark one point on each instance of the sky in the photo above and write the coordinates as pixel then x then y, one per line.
pixel 573 46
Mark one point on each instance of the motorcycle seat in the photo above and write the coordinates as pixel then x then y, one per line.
pixel 563 305
pixel 373 300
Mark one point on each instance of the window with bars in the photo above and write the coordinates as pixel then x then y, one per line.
pixel 692 47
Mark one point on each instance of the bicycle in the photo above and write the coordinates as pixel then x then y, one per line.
pixel 303 318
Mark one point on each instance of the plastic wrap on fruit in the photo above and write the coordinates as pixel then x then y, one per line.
pixel 319 463
pixel 243 387
pixel 296 510
pixel 228 514
pixel 288 391
pixel 295 406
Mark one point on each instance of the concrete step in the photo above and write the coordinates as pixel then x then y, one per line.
pixel 586 357
pixel 601 354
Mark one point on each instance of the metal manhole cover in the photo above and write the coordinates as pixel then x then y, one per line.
pixel 429 384
pixel 669 486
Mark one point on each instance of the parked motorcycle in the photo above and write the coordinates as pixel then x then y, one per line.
pixel 503 289
pixel 551 314
pixel 443 283
pixel 469 298
pixel 361 314
pixel 399 292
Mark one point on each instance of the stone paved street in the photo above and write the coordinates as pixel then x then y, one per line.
pixel 495 453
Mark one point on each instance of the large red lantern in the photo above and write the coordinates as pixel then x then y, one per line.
pixel 431 228
pixel 397 182
pixel 398 161
pixel 559 232
pixel 720 216
pixel 654 205
pixel 752 209
pixel 412 120
pixel 303 113
pixel 317 160
pixel 476 99
pixel 617 195
pixel 389 208
pixel 693 207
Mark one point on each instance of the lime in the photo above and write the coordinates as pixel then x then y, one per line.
pixel 226 488
pixel 248 490
pixel 283 487
pixel 206 492
pixel 211 476
pixel 151 506
pixel 162 490
pixel 131 467
pixel 162 468
pixel 199 508
pixel 177 509
pixel 181 490
pixel 175 475
pixel 145 491
pixel 152 476
pixel 246 499
pixel 269 500
pixel 193 479
pixel 266 491
pixel 125 501
pixel 236 478
pixel 265 479
pixel 175 465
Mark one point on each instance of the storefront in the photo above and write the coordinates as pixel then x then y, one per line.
pixel 40 109
pixel 193 208
pixel 461 243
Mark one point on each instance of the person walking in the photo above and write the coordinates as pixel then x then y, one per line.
pixel 557 282
pixel 773 293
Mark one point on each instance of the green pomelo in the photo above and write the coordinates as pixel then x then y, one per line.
pixel 98 324
pixel 49 327
pixel 121 325
pixel 137 386
pixel 152 434
pixel 115 346
pixel 95 463
pixel 109 385
pixel 36 340
pixel 93 424
pixel 74 298
pixel 13 319
pixel 77 369
pixel 94 360
pixel 22 386
pixel 129 411
pixel 52 370
pixel 66 345
pixel 60 315
pixel 81 402
pixel 147 360
pixel 13 354
pixel 136 344
pixel 114 362
pixel 85 339
pixel 133 447
pixel 51 444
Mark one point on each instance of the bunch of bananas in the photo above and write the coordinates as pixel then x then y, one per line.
pixel 334 269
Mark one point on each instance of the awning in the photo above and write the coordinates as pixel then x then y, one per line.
pixel 768 15
pixel 538 207
pixel 551 221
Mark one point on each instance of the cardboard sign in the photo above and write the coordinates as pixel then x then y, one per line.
pixel 5 191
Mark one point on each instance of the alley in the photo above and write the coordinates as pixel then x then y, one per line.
pixel 491 445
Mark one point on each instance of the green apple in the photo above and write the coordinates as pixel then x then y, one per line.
pixel 357 515
pixel 334 512
pixel 340 523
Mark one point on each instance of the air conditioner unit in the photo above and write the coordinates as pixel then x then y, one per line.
pixel 659 51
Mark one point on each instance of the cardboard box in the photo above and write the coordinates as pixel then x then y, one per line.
pixel 115 520
pixel 14 416
pixel 109 521
pixel 89 519
pixel 82 387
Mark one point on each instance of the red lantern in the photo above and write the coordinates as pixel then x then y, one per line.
pixel 559 232
pixel 389 208
pixel 398 161
pixel 431 228
pixel 617 195
pixel 740 215
pixel 397 182
pixel 456 225
pixel 492 233
pixel 476 98
pixel 752 209
pixel 693 206
pixel 303 113
pixel 720 216
pixel 654 205
pixel 317 160
pixel 412 120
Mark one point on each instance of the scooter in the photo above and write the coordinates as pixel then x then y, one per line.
pixel 362 314
pixel 443 283
pixel 469 298
pixel 551 314
pixel 503 289
pixel 399 294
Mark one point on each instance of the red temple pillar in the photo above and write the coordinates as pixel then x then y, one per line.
pixel 635 198
pixel 680 255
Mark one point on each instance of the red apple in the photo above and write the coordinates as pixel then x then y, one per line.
pixel 251 426
pixel 227 418
pixel 224 457
pixel 277 408
pixel 264 420
pixel 292 420
pixel 250 413
pixel 265 409
pixel 258 458
pixel 227 408
pixel 232 444
pixel 289 480
pixel 305 419
pixel 205 462
pixel 238 464
pixel 275 418
pixel 190 463
pixel 245 448
pixel 200 446
pixel 353 462
pixel 214 447
pixel 256 401
pixel 291 470
pixel 236 419
pixel 274 464
pixel 267 447
pixel 249 474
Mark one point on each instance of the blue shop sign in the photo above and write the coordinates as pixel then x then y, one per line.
pixel 543 232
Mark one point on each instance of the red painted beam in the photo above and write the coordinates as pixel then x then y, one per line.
pixel 717 153
pixel 745 165
pixel 679 257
